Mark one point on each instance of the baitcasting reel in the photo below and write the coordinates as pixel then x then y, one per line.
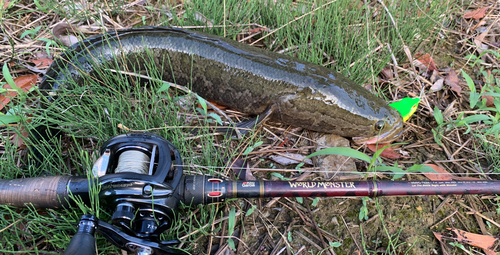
pixel 139 177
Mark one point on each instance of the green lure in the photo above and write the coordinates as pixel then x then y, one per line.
pixel 406 106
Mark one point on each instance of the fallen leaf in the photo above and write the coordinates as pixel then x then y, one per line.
pixel 256 30
pixel 241 170
pixel 221 107
pixel 5 5
pixel 123 127
pixel 453 81
pixel 482 241
pixel 43 54
pixel 438 85
pixel 387 153
pixel 287 158
pixel 438 236
pixel 441 175
pixel 427 61
pixel 387 73
pixel 478 41
pixel 476 14
pixel 200 17
pixel 19 138
pixel 65 33
pixel 435 76
pixel 41 63
pixel 479 28
pixel 24 82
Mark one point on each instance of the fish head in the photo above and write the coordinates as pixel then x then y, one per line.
pixel 383 130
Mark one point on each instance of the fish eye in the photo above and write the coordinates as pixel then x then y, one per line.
pixel 379 125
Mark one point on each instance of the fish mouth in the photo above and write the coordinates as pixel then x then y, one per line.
pixel 386 137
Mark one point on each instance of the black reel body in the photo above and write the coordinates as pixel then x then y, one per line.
pixel 139 175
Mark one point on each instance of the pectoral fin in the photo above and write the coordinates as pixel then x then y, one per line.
pixel 244 127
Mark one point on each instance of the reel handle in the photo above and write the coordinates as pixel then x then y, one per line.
pixel 43 192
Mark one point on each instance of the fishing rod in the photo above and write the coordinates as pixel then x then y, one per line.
pixel 140 178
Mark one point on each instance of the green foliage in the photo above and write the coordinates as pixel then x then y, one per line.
pixel 252 147
pixel 250 211
pixel 335 244
pixel 9 79
pixel 30 32
pixel 48 43
pixel 315 201
pixel 363 211
pixel 283 178
pixel 231 223
pixel 348 152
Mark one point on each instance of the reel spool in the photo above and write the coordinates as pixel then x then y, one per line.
pixel 145 154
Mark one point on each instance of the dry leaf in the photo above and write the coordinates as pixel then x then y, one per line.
pixel 219 106
pixel 442 175
pixel 387 153
pixel 241 170
pixel 200 17
pixel 18 139
pixel 5 4
pixel 453 81
pixel 65 33
pixel 435 76
pixel 257 30
pixel 438 236
pixel 478 41
pixel 408 52
pixel 438 85
pixel 287 158
pixel 123 127
pixel 24 82
pixel 387 73
pixel 41 63
pixel 482 241
pixel 39 55
pixel 478 26
pixel 476 14
pixel 427 61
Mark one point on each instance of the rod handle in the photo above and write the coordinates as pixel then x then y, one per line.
pixel 83 242
pixel 41 192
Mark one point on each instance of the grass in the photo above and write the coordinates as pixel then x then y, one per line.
pixel 350 37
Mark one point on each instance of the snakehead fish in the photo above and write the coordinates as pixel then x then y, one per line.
pixel 246 78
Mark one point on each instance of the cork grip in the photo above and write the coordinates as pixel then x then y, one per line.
pixel 41 192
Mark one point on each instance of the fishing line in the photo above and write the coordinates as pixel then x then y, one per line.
pixel 313 170
pixel 133 161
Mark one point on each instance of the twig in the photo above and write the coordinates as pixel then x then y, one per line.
pixel 10 225
pixel 350 233
pixel 206 225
